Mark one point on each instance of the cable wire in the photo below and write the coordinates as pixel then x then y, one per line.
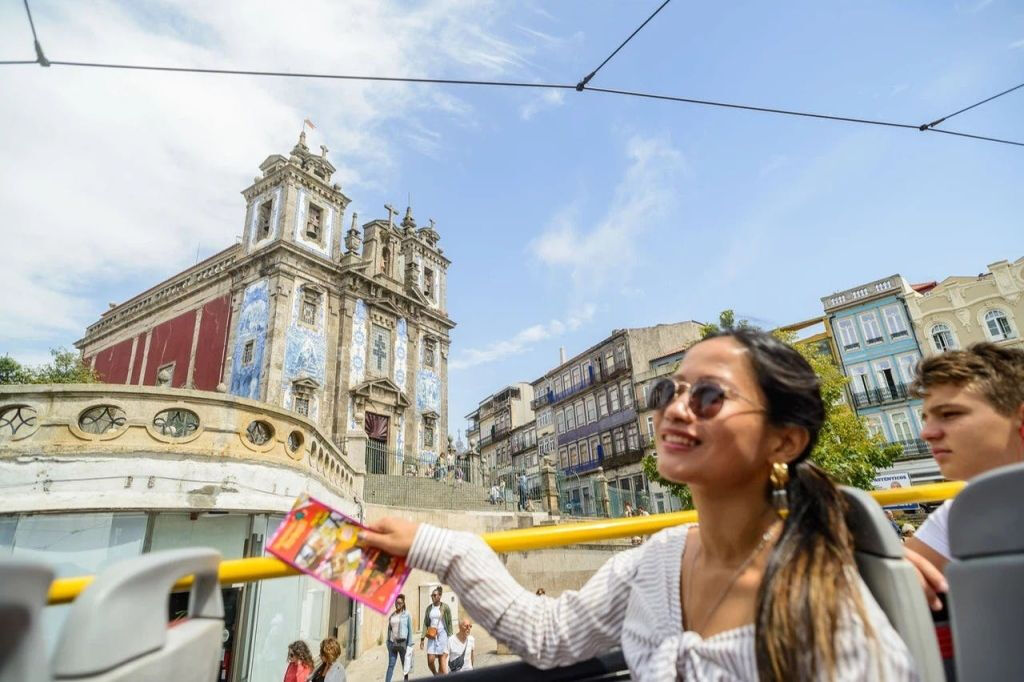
pixel 936 122
pixel 40 57
pixel 586 79
pixel 974 137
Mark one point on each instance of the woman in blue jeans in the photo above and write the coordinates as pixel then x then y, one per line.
pixel 399 635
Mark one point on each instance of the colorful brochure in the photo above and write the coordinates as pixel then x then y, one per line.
pixel 321 542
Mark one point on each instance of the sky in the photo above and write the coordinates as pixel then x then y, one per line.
pixel 565 214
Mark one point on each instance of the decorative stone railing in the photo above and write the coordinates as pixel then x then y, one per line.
pixel 879 287
pixel 177 286
pixel 79 419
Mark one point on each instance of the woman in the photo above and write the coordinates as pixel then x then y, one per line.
pixel 399 636
pixel 300 662
pixel 330 669
pixel 461 648
pixel 746 595
pixel 437 624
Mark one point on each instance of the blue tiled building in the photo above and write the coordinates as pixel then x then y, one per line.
pixel 879 352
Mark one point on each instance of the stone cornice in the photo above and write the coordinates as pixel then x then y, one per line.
pixel 289 172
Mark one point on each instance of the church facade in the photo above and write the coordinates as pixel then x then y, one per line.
pixel 348 328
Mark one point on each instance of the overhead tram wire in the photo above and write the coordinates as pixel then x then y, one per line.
pixel 586 79
pixel 928 126
pixel 40 57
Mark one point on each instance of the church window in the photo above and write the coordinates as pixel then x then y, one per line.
pixel 380 349
pixel 385 260
pixel 247 352
pixel 313 222
pixel 428 436
pixel 263 220
pixel 302 405
pixel 429 347
pixel 428 283
pixel 310 306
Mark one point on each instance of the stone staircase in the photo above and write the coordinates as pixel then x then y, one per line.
pixel 426 493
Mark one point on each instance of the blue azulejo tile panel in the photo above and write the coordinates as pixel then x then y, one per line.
pixel 357 345
pixel 273 196
pixel 305 349
pixel 400 441
pixel 401 353
pixel 250 340
pixel 428 391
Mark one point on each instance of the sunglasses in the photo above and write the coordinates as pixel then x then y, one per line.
pixel 704 398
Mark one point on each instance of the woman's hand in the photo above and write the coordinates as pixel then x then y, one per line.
pixel 392 535
pixel 932 580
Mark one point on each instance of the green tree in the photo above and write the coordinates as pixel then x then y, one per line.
pixel 66 367
pixel 726 322
pixel 845 449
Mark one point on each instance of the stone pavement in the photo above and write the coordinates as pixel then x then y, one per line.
pixel 373 664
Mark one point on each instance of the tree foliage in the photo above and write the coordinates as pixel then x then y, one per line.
pixel 845 449
pixel 66 367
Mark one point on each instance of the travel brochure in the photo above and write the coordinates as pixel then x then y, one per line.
pixel 321 542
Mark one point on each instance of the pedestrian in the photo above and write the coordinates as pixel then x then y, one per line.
pixel 523 490
pixel 908 531
pixel 892 522
pixel 461 648
pixel 300 662
pixel 765 587
pixel 330 668
pixel 973 422
pixel 437 624
pixel 399 636
pixel 627 509
pixel 493 495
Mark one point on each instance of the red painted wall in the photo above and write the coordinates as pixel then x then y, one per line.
pixel 213 339
pixel 140 350
pixel 171 341
pixel 112 363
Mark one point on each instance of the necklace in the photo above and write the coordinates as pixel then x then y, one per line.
pixel 765 538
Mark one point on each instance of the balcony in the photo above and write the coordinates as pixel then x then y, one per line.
pixel 584 467
pixel 500 432
pixel 915 448
pixel 880 396
pixel 541 400
pixel 618 369
pixel 523 446
pixel 587 382
pixel 630 454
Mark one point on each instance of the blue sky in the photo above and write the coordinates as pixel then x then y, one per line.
pixel 565 215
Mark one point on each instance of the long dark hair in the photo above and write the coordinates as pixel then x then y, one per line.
pixel 810 574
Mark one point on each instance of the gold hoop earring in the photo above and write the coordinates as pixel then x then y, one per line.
pixel 779 478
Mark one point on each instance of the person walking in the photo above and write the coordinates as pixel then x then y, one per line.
pixel 523 490
pixel 300 662
pixel 330 668
pixel 399 636
pixel 461 648
pixel 437 624
pixel 764 588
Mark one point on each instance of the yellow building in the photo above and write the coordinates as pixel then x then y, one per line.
pixel 959 311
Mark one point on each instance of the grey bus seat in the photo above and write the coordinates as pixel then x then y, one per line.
pixel 986 576
pixel 117 628
pixel 893 581
pixel 23 589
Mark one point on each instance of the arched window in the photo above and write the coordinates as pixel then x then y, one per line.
pixel 385 261
pixel 942 337
pixel 998 325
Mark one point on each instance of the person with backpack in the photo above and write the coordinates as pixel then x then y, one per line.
pixel 461 648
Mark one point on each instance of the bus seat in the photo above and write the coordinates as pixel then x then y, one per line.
pixel 23 589
pixel 893 581
pixel 986 576
pixel 117 628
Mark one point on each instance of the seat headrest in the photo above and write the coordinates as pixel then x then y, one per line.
pixel 987 517
pixel 872 532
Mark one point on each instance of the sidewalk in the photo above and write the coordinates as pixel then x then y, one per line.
pixel 373 664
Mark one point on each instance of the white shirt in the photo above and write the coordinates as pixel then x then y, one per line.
pixel 934 532
pixel 455 647
pixel 578 625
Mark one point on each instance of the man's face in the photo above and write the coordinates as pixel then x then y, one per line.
pixel 966 433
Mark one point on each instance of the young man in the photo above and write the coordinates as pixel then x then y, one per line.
pixel 974 422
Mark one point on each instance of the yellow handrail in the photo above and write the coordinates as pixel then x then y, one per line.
pixel 538 537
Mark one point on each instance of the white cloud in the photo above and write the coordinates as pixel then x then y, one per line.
pixel 1017 44
pixel 524 340
pixel 549 99
pixel 112 178
pixel 646 194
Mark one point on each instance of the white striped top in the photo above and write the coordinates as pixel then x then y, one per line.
pixel 632 603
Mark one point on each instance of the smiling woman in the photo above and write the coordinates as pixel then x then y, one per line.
pixel 745 595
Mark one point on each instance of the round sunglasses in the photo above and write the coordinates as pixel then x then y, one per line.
pixel 704 398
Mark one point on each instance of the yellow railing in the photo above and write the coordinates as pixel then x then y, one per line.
pixel 539 537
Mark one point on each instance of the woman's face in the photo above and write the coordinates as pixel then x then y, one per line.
pixel 725 450
pixel 399 604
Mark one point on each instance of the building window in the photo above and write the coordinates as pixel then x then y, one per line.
pixel 620 354
pixel 901 428
pixel 563 457
pixel 570 418
pixel 428 283
pixel 591 409
pixel 872 332
pixel 313 222
pixel 606 444
pixel 894 322
pixel 247 352
pixel 602 405
pixel 581 417
pixel 998 325
pixel 847 334
pixel 627 395
pixel 428 435
pixel 380 349
pixel 609 360
pixel 310 306
pixel 584 452
pixel 559 422
pixel 650 428
pixel 429 347
pixel 908 366
pixel 633 436
pixel 620 441
pixel 613 399
pixel 874 426
pixel 575 377
pixel 263 220
pixel 302 405
pixel 573 455
pixel 942 337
